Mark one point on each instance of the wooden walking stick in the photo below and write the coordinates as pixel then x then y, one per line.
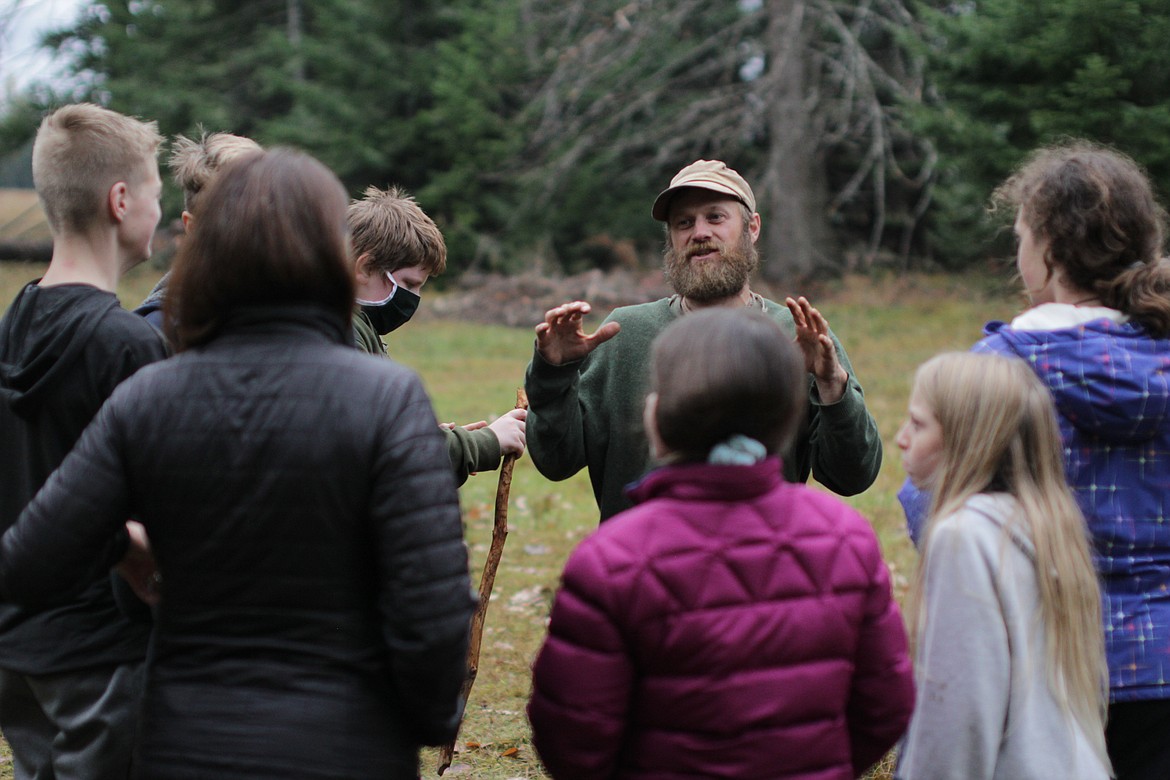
pixel 486 581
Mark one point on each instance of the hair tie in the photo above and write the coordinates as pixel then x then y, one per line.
pixel 737 450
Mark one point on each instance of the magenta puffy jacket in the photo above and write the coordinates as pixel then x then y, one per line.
pixel 730 625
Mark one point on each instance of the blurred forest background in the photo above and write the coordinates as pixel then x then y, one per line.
pixel 537 132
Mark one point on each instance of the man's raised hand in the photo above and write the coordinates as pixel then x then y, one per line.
pixel 820 356
pixel 560 338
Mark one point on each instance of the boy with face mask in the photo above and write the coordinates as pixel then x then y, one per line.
pixel 396 248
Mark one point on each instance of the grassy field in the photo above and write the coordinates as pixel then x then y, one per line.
pixel 21 217
pixel 889 325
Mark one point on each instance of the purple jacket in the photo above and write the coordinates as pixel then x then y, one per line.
pixel 1111 384
pixel 729 625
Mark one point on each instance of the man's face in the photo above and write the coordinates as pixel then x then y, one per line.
pixel 709 253
pixel 141 215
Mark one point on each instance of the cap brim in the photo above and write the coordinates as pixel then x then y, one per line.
pixel 661 208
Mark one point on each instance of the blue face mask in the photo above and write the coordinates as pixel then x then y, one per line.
pixel 393 311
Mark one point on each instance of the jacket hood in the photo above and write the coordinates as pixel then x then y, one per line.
pixel 1110 380
pixel 154 300
pixel 41 334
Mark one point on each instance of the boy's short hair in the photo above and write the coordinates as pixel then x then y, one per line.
pixel 194 163
pixel 391 227
pixel 81 151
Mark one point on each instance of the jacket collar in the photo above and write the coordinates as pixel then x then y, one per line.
pixel 284 317
pixel 707 482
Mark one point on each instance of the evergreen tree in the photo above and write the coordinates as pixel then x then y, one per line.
pixel 408 93
pixel 802 96
pixel 1012 75
pixel 521 123
pixel 403 92
pixel 341 79
pixel 470 135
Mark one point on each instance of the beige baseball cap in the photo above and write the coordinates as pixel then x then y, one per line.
pixel 711 175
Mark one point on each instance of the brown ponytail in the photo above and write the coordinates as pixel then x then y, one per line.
pixel 1143 292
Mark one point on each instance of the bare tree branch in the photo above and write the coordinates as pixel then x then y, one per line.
pixel 786 83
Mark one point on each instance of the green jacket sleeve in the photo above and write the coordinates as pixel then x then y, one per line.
pixel 472 451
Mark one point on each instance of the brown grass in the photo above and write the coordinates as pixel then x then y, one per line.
pixel 888 325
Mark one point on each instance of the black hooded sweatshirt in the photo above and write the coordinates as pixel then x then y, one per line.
pixel 63 350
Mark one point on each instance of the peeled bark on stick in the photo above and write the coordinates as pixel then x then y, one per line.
pixel 486 582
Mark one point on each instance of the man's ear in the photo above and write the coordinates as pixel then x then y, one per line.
pixel 754 227
pixel 116 201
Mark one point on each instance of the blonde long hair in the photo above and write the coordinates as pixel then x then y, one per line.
pixel 1000 434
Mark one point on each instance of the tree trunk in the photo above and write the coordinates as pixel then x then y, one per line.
pixel 295 30
pixel 796 240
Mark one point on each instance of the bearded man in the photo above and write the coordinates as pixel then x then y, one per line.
pixel 586 392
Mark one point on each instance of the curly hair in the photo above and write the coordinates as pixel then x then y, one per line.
pixel 1095 212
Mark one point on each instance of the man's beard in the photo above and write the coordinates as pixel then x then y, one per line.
pixel 710 280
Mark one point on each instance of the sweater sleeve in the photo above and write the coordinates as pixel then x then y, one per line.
pixel 582 678
pixel 472 451
pixel 963 667
pixel 424 591
pixel 555 428
pixel 843 443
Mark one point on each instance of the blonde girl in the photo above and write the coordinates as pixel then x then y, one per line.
pixel 1005 612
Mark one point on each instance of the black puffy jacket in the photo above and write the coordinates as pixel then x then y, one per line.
pixel 315 593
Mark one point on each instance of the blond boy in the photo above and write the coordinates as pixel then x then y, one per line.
pixel 193 165
pixel 71 673
pixel 396 249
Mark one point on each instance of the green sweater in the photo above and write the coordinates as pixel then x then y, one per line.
pixel 365 337
pixel 589 414
pixel 470 451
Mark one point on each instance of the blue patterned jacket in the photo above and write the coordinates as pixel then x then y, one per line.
pixel 1111 384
